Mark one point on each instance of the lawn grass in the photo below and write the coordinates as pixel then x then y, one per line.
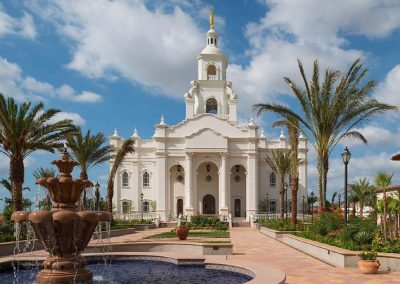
pixel 202 234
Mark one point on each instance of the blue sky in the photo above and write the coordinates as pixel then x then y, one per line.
pixel 123 64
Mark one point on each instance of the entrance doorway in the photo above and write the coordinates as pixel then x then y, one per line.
pixel 209 204
pixel 179 206
pixel 237 207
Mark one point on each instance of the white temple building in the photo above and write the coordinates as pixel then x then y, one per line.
pixel 206 164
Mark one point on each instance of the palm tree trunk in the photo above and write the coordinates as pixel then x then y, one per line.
pixel 295 187
pixel 110 195
pixel 384 214
pixel 320 174
pixel 361 209
pixel 17 180
pixel 353 213
pixel 282 193
pixel 325 181
pixel 84 176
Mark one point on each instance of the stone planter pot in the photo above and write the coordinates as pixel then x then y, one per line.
pixel 369 266
pixel 182 232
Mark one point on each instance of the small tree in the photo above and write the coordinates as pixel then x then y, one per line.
pixel 383 180
pixel 280 164
pixel 127 147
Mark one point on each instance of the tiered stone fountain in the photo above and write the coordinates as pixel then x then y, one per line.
pixel 64 231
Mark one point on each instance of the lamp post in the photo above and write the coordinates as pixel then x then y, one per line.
pixel 267 203
pixel 346 158
pixel 141 206
pixel 286 203
pixel 339 201
pixel 312 207
pixel 304 206
pixel 97 194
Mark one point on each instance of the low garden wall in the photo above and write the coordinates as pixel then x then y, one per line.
pixel 7 248
pixel 143 227
pixel 329 254
pixel 115 233
pixel 182 247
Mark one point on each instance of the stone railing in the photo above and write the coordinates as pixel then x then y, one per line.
pixel 149 216
pixel 269 216
pixel 212 77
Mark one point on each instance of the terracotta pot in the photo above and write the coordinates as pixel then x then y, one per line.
pixel 182 232
pixel 368 266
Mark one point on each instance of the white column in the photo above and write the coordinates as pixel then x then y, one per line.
pixel 252 185
pixel 161 185
pixel 135 186
pixel 189 184
pixel 223 209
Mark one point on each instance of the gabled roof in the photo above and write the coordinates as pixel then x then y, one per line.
pixel 207 121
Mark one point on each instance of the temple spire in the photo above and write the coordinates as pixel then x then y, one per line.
pixel 211 19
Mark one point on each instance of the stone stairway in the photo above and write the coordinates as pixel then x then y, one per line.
pixel 240 224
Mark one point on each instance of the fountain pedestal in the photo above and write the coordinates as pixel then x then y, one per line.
pixel 64 231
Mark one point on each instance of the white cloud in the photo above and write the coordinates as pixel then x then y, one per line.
pixel 153 48
pixel 24 26
pixel 365 166
pixel 75 117
pixel 389 90
pixel 14 84
pixel 308 30
pixel 376 136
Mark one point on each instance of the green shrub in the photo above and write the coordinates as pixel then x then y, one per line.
pixel 204 222
pixel 363 238
pixel 327 222
pixel 359 224
pixel 7 212
pixel 281 225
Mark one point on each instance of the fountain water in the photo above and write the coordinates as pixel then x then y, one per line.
pixel 64 231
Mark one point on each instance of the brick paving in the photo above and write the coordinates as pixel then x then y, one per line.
pixel 251 245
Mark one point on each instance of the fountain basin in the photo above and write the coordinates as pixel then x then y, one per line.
pixel 144 269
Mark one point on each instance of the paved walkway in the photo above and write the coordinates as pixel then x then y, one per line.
pixel 251 245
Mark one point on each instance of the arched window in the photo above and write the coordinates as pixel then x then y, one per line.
pixel 272 179
pixel 125 179
pixel 272 206
pixel 126 207
pixel 146 206
pixel 212 106
pixel 211 72
pixel 146 179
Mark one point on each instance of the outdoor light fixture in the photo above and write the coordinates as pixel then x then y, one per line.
pixel 312 206
pixel 346 155
pixel 304 206
pixel 267 196
pixel 141 202
pixel 208 167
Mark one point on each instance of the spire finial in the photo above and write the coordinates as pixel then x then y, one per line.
pixel 211 19
pixel 162 122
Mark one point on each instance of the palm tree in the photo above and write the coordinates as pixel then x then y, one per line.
pixel 127 147
pixel 25 129
pixel 383 180
pixel 394 209
pixel 353 199
pixel 8 186
pixel 280 163
pixel 45 173
pixel 330 111
pixel 89 151
pixel 364 192
pixel 334 197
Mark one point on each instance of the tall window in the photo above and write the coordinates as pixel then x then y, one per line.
pixel 126 207
pixel 211 71
pixel 146 206
pixel 272 179
pixel 212 106
pixel 125 179
pixel 146 179
pixel 272 206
